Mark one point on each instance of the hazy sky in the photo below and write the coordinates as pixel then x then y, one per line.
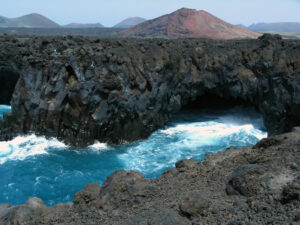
pixel 110 12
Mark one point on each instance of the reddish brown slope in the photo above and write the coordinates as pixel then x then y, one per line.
pixel 190 23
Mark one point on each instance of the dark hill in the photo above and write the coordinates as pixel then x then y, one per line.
pixel 130 22
pixel 33 20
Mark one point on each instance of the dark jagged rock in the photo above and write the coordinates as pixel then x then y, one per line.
pixel 135 85
pixel 297 217
pixel 186 195
pixel 186 163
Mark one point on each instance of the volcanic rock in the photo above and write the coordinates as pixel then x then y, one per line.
pixel 193 205
pixel 87 196
pixel 131 187
pixel 186 163
pixel 245 179
pixel 136 85
pixel 291 192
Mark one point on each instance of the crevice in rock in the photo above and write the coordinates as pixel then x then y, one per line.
pixel 72 79
pixel 70 71
pixel 214 101
pixel 8 81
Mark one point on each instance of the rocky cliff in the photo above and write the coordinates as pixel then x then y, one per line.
pixel 252 185
pixel 116 90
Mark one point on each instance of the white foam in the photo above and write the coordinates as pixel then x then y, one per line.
pixel 97 146
pixel 22 147
pixel 5 107
pixel 212 129
pixel 167 146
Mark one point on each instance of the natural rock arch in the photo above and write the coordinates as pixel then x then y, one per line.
pixel 137 84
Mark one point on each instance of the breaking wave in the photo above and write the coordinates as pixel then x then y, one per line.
pixel 33 166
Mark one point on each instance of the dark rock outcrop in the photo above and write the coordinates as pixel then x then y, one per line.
pixel 186 195
pixel 130 186
pixel 123 89
pixel 186 163
pixel 88 196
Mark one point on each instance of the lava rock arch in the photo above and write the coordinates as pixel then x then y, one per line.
pixel 136 85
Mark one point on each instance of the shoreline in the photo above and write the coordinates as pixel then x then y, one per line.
pixel 258 184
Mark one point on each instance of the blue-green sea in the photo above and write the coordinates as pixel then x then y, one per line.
pixel 32 166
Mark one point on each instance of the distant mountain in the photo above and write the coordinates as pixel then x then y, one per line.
pixel 130 22
pixel 33 20
pixel 278 27
pixel 189 23
pixel 3 20
pixel 242 25
pixel 81 25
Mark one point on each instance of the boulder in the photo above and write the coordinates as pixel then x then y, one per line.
pixel 4 211
pixel 28 214
pixel 122 187
pixel 246 180
pixel 22 215
pixel 193 205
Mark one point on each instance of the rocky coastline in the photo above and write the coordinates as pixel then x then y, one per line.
pixel 115 90
pixel 252 185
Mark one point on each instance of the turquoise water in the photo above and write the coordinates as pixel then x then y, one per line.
pixel 33 166
pixel 4 109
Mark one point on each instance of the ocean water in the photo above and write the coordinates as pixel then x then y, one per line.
pixel 32 166
pixel 4 109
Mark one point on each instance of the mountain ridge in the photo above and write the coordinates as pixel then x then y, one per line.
pixel 83 25
pixel 278 27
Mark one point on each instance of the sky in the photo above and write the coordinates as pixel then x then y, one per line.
pixel 111 12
